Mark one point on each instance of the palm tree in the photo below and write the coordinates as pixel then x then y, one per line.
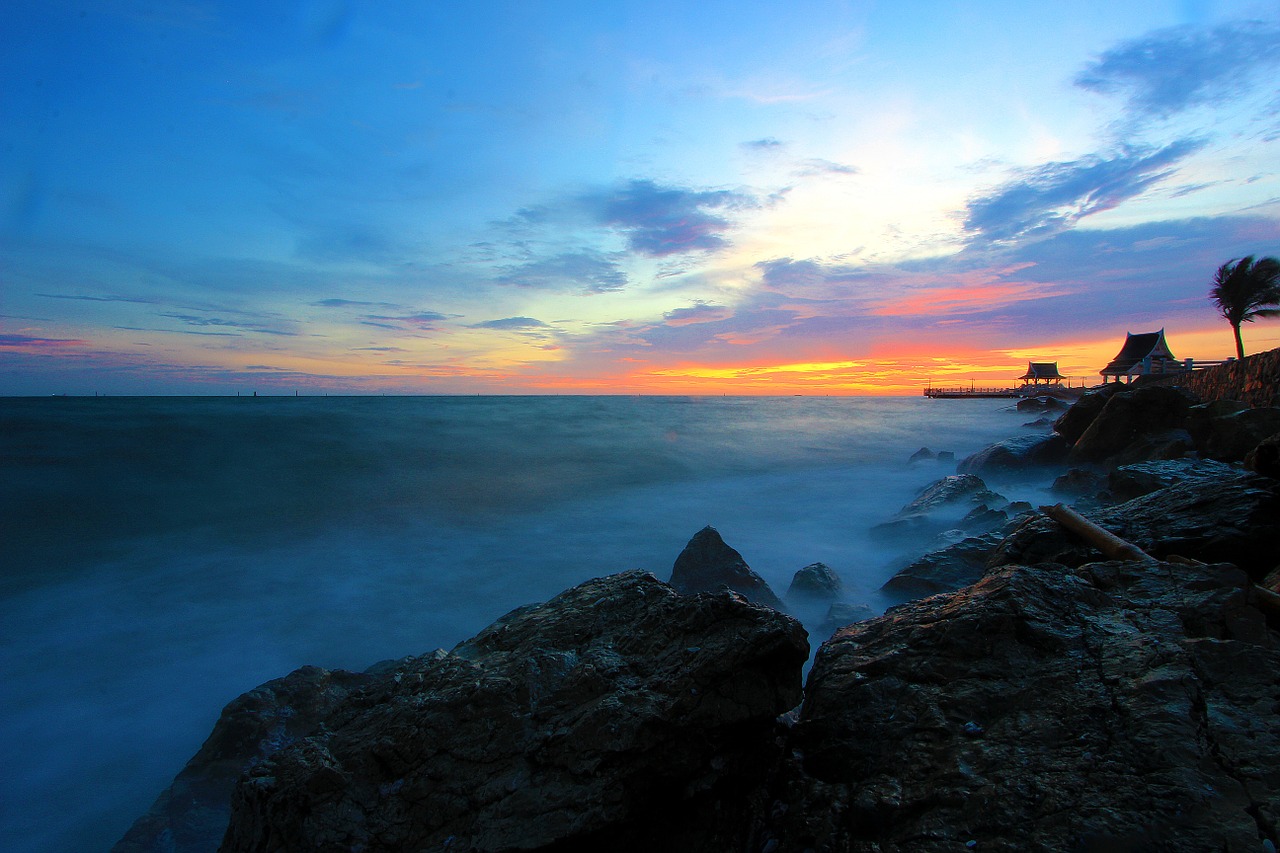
pixel 1243 289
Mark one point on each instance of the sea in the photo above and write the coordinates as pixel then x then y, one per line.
pixel 159 556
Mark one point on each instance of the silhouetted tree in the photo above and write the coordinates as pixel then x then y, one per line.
pixel 1243 289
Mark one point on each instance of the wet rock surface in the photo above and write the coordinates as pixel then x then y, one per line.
pixel 707 564
pixel 1129 421
pixel 816 582
pixel 1015 456
pixel 1119 706
pixel 191 815
pixel 566 725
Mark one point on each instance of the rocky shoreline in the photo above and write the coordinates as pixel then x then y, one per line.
pixel 1041 697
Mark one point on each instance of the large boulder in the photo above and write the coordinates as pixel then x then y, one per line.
pixel 1075 420
pixel 1123 706
pixel 1229 438
pixel 1265 458
pixel 620 715
pixel 956 490
pixel 707 564
pixel 190 816
pixel 1015 456
pixel 1134 425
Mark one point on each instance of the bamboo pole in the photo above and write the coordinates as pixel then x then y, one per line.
pixel 1114 547
pixel 1108 543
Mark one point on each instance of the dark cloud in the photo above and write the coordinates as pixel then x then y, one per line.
pixel 512 324
pixel 660 221
pixel 584 271
pixel 1171 70
pixel 1054 196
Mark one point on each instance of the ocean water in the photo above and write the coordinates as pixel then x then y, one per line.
pixel 160 556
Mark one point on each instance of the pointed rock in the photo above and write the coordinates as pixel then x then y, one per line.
pixel 706 564
pixel 815 582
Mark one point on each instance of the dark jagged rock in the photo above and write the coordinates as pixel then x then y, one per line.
pixel 1231 437
pixel 981 519
pixel 924 454
pixel 1123 706
pixel 1015 456
pixel 962 490
pixel 841 614
pixel 1130 424
pixel 946 569
pixel 1200 417
pixel 566 726
pixel 1234 518
pixel 1039 423
pixel 1132 481
pixel 1078 481
pixel 706 564
pixel 1077 419
pixel 1265 458
pixel 1041 404
pixel 190 816
pixel 815 582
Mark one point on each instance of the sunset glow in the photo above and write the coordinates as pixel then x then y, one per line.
pixel 816 198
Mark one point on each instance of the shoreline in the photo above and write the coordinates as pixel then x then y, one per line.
pixel 1008 640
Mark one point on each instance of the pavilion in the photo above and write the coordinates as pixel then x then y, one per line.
pixel 1144 354
pixel 1042 374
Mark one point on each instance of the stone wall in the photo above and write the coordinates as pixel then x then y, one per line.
pixel 1255 380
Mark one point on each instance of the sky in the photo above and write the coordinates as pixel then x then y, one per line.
pixel 808 197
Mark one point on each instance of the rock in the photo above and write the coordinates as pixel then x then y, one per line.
pixel 1265 458
pixel 1200 417
pixel 1075 420
pixel 1078 481
pixel 706 564
pixel 191 815
pixel 815 582
pixel 1132 481
pixel 1231 437
pixel 961 490
pixel 923 454
pixel 568 725
pixel 1129 421
pixel 981 519
pixel 946 569
pixel 1041 404
pixel 841 614
pixel 1120 707
pixel 1039 423
pixel 946 456
pixel 1015 455
pixel 1233 518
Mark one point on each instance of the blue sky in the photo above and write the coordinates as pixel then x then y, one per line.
pixel 829 197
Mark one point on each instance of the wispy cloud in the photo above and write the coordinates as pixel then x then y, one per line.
pixel 1171 70
pixel 36 343
pixel 700 312
pixel 133 299
pixel 816 166
pixel 768 143
pixel 512 324
pixel 219 322
pixel 423 321
pixel 584 271
pixel 1048 198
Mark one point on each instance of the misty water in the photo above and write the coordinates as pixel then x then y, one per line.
pixel 160 556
